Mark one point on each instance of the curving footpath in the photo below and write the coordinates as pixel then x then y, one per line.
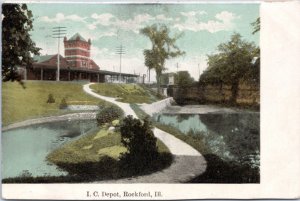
pixel 187 163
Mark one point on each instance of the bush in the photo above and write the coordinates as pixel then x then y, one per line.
pixel 63 104
pixel 50 99
pixel 140 142
pixel 108 114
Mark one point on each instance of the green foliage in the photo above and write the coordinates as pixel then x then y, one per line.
pixel 17 45
pixel 63 104
pixel 108 114
pixel 50 99
pixel 128 93
pixel 20 104
pixel 256 25
pixel 236 60
pixel 25 173
pixel 183 79
pixel 140 142
pixel 163 48
pixel 95 156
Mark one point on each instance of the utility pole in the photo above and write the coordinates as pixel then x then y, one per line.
pixel 58 32
pixel 149 76
pixel 120 50
pixel 177 66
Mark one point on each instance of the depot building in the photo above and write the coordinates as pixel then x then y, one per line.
pixel 76 65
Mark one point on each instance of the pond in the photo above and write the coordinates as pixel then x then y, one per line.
pixel 24 150
pixel 231 136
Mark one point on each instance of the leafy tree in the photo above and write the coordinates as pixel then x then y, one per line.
pixel 183 79
pixel 163 48
pixel 256 69
pixel 256 25
pixel 17 46
pixel 235 61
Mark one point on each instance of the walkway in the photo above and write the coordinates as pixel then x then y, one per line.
pixel 188 162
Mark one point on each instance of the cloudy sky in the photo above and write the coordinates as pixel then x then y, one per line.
pixel 204 26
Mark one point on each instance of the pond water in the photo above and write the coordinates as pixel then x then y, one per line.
pixel 231 136
pixel 24 150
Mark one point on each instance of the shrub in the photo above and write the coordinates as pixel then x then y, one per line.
pixel 50 99
pixel 140 142
pixel 108 114
pixel 63 104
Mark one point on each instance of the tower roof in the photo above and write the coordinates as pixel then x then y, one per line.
pixel 77 35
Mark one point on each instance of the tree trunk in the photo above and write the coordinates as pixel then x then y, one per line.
pixel 234 91
pixel 158 82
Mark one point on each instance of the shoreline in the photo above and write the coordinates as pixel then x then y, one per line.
pixel 65 117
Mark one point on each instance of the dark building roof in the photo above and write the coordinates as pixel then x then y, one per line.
pixel 40 59
pixel 77 35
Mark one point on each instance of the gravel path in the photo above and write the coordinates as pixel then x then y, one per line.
pixel 187 164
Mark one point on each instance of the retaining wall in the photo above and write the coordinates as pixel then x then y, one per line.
pixel 157 106
pixel 248 94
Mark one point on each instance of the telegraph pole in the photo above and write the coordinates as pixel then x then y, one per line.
pixel 120 50
pixel 58 32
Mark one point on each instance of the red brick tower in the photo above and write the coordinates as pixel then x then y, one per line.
pixel 77 52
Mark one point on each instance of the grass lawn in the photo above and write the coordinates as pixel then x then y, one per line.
pixel 96 157
pixel 128 93
pixel 20 104
pixel 93 147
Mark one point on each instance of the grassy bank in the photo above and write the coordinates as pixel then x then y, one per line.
pixel 91 148
pixel 218 170
pixel 20 104
pixel 94 157
pixel 128 93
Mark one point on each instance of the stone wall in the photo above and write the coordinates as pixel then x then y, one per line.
pixel 158 106
pixel 248 94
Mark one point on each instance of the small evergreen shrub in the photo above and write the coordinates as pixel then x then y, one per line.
pixel 50 99
pixel 63 104
pixel 140 142
pixel 108 114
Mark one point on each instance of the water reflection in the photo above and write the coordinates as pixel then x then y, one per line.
pixel 24 150
pixel 232 137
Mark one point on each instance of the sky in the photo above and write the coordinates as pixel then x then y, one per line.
pixel 204 27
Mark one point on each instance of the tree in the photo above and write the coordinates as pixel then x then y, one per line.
pixel 140 142
pixel 183 79
pixel 256 25
pixel 163 48
pixel 17 46
pixel 234 61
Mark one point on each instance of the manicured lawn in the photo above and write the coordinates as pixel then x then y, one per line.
pixel 128 93
pixel 20 104
pixel 93 147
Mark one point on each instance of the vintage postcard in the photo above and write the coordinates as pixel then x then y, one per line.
pixel 144 101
